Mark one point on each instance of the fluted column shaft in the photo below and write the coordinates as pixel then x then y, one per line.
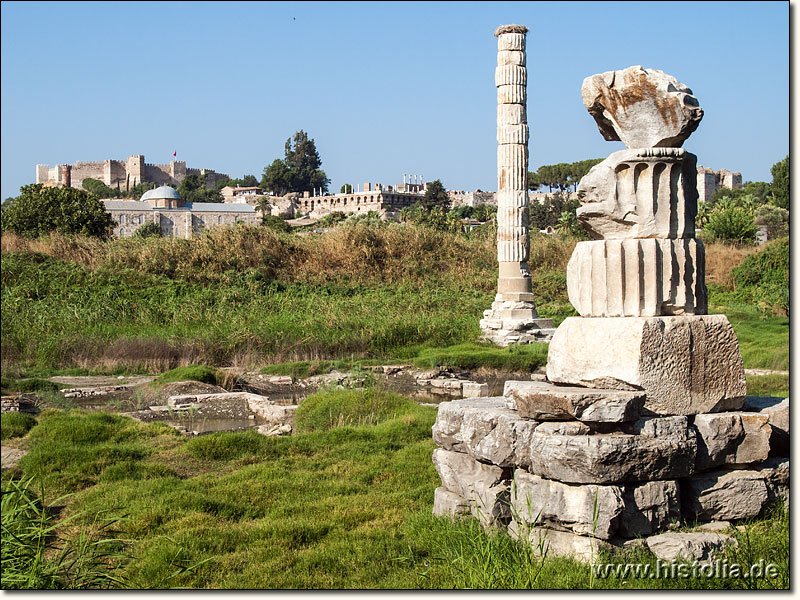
pixel 513 242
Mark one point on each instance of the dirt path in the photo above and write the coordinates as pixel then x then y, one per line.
pixel 9 457
pixel 764 372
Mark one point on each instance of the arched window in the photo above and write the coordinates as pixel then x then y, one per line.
pixel 123 220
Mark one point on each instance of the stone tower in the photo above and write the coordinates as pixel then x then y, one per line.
pixel 513 317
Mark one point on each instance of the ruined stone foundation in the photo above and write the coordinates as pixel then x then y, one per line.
pixel 643 423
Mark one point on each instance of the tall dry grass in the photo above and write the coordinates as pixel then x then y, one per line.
pixel 359 254
pixel 721 259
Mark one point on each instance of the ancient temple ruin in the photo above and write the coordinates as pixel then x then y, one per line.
pixel 643 422
pixel 512 317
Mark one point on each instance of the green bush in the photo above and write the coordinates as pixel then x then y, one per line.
pixel 15 424
pixel 731 224
pixel 763 277
pixel 191 373
pixel 774 219
pixel 276 223
pixel 39 209
pixel 148 230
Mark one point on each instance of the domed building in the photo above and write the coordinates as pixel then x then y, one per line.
pixel 163 197
pixel 175 217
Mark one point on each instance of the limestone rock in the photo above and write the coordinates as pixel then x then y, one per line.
pixel 482 485
pixel 699 546
pixel 484 429
pixel 538 501
pixel 563 428
pixel 686 365
pixel 715 526
pixel 473 389
pixel 638 278
pixel 449 504
pixel 731 438
pixel 777 411
pixel 641 107
pixel 650 507
pixel 655 452
pixel 776 474
pixel 643 193
pixel 550 542
pixel 723 495
pixel 545 401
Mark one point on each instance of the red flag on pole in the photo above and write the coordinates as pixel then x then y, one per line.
pixel 175 153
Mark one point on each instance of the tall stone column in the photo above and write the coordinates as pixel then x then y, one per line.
pixel 513 317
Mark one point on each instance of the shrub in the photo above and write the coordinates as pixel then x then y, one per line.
pixel 191 373
pixel 276 223
pixel 39 210
pixel 148 230
pixel 774 219
pixel 731 224
pixel 763 277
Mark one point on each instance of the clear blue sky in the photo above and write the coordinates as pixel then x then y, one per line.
pixel 383 88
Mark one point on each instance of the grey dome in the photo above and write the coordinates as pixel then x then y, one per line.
pixel 163 192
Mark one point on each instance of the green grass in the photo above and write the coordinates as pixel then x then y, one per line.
pixel 459 356
pixel 763 339
pixel 768 385
pixel 35 384
pixel 15 424
pixel 191 373
pixel 471 356
pixel 343 506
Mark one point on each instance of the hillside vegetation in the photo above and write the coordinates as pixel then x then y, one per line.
pixel 250 296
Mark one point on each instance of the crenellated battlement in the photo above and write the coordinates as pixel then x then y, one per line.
pixel 129 172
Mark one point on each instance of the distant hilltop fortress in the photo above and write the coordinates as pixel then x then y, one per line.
pixel 123 174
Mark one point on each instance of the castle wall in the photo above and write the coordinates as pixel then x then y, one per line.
pixel 84 170
pixel 159 174
pixel 114 174
pixel 129 172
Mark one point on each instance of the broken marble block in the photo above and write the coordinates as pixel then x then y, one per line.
pixel 777 411
pixel 641 107
pixel 643 193
pixel 776 474
pixel 638 278
pixel 547 402
pixel 725 494
pixel 582 509
pixel 484 486
pixel 731 438
pixel 686 364
pixel 650 507
pixel 552 542
pixel 484 429
pixel 649 449
pixel 449 504
pixel 699 546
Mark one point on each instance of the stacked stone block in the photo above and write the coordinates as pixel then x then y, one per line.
pixel 581 469
pixel 643 423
